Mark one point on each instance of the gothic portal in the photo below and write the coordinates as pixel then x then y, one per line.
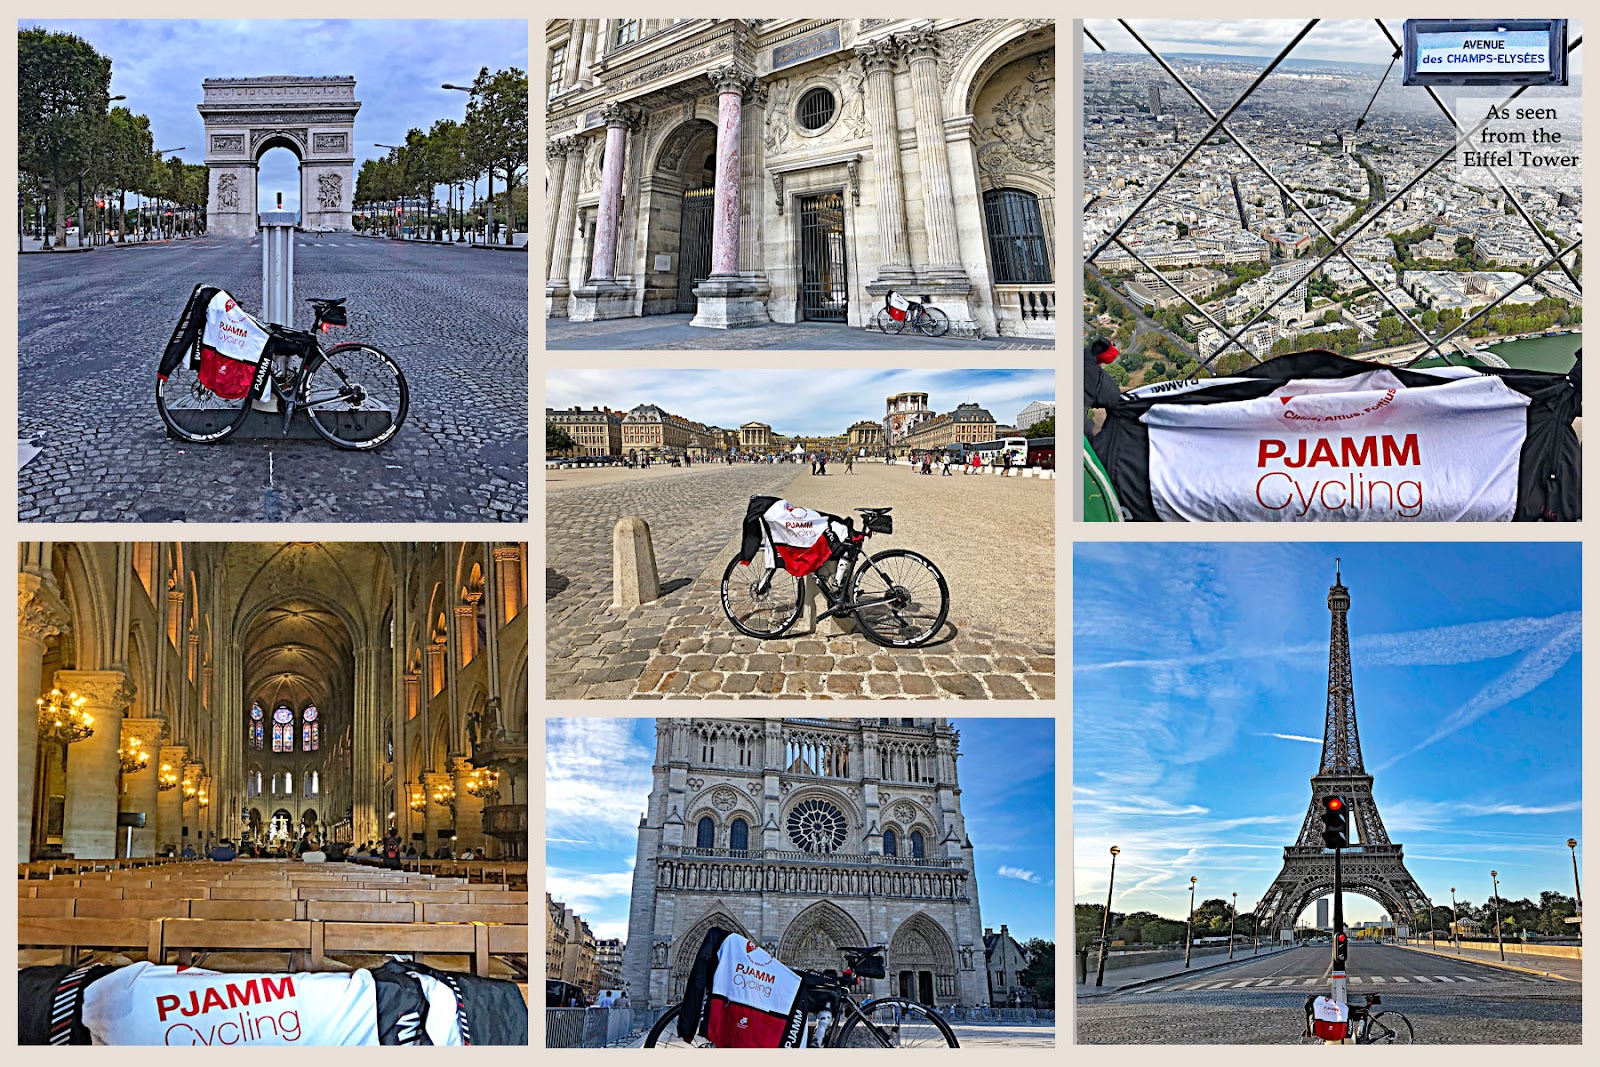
pixel 808 835
pixel 313 117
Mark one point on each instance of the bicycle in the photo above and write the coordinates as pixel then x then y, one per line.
pixel 880 1022
pixel 1369 1028
pixel 918 316
pixel 353 394
pixel 898 597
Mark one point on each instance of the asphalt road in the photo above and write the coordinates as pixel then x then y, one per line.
pixel 91 329
pixel 1261 1001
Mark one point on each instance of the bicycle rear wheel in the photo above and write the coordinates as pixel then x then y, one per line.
pixel 893 1022
pixel 915 598
pixel 933 322
pixel 1389 1028
pixel 883 323
pixel 664 1034
pixel 356 397
pixel 759 602
pixel 193 412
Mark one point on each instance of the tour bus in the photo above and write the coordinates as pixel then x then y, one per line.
pixel 990 451
pixel 1042 452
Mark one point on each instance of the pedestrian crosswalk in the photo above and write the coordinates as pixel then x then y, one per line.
pixel 1279 982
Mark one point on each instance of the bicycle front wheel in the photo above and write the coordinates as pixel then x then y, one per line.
pixel 908 598
pixel 760 602
pixel 356 397
pixel 883 323
pixel 894 1022
pixel 1389 1028
pixel 194 411
pixel 933 322
pixel 664 1034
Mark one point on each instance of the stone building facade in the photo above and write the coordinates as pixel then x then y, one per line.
pixel 968 424
pixel 596 432
pixel 414 655
pixel 1005 960
pixel 785 170
pixel 571 951
pixel 865 434
pixel 807 835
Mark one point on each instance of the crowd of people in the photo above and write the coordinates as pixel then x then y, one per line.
pixel 388 850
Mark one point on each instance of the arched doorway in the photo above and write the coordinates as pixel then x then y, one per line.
pixel 679 192
pixel 282 828
pixel 684 950
pixel 922 962
pixel 813 940
pixel 278 174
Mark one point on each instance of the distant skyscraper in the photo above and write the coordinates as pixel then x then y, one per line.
pixel 1155 100
pixel 1322 914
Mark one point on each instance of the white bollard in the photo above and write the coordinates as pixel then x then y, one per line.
pixel 634 580
pixel 277 278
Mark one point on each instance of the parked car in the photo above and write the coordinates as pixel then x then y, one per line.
pixel 559 994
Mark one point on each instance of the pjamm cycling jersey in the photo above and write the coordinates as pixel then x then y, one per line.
pixel 792 536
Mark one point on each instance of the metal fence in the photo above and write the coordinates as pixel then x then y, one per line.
pixel 591 1027
pixel 1340 239
pixel 999 1015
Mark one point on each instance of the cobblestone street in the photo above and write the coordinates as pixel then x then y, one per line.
pixel 91 329
pixel 999 642
pixel 674 332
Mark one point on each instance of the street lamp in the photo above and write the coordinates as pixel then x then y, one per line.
pixel 1455 920
pixel 158 153
pixel 488 229
pixel 1497 939
pixel 1188 941
pixel 1105 920
pixel 1577 890
pixel 1232 918
pixel 1255 930
pixel 396 148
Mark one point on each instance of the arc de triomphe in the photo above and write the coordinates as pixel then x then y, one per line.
pixel 312 117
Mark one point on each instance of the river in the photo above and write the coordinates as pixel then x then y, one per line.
pixel 1540 353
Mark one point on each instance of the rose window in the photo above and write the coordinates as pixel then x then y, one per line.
pixel 816 826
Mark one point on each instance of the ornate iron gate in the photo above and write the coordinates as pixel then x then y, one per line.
pixel 694 245
pixel 824 281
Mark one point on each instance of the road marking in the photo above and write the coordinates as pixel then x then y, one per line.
pixel 1376 980
pixel 1401 979
pixel 1356 980
pixel 1218 985
pixel 1241 985
pixel 1441 978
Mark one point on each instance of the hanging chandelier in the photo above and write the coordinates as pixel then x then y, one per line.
pixel 167 778
pixel 133 756
pixel 62 718
pixel 444 794
pixel 418 801
pixel 483 782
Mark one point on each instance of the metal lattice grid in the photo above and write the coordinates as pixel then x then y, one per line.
pixel 1339 239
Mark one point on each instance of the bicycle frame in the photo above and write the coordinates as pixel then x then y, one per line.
pixel 290 393
pixel 844 567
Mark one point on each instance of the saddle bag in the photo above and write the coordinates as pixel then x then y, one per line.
pixel 229 378
pixel 872 966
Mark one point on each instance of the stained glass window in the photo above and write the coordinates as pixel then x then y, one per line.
pixel 283 729
pixel 310 731
pixel 255 727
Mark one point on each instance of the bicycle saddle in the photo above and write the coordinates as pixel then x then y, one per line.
pixel 867 951
pixel 322 303
pixel 875 511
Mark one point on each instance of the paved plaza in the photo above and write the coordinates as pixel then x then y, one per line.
pixel 992 537
pixel 969 1035
pixel 674 332
pixel 91 329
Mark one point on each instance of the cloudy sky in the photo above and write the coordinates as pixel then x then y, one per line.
pixel 158 64
pixel 1355 40
pixel 598 783
pixel 1199 687
pixel 815 401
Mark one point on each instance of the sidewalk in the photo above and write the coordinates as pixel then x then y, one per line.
pixel 1122 977
pixel 1549 966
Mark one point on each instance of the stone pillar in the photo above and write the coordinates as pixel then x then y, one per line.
pixel 594 46
pixel 577 41
pixel 602 296
pixel 436 816
pixel 469 809
pixel 41 615
pixel 90 828
pixel 877 59
pixel 557 287
pixel 729 297
pixel 169 802
pixel 139 788
pixel 555 155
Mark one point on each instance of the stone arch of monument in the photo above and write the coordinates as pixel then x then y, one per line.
pixel 313 117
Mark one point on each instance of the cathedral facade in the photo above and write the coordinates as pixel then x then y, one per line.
pixel 786 170
pixel 807 835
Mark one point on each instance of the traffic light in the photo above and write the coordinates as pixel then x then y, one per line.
pixel 1341 951
pixel 1335 823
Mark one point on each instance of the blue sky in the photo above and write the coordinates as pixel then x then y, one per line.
pixel 398 64
pixel 598 781
pixel 814 401
pixel 1199 686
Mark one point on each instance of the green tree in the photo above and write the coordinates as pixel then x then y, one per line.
pixel 557 440
pixel 63 90
pixel 1045 427
pixel 125 153
pixel 1116 373
pixel 497 125
pixel 1040 974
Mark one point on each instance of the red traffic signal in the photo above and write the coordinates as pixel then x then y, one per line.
pixel 1335 804
pixel 1335 823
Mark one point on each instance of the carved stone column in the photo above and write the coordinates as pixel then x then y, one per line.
pixel 593 48
pixel 938 202
pixel 436 817
pixel 93 777
pixel 139 788
pixel 169 802
pixel 575 46
pixel 602 296
pixel 41 615
pixel 877 59
pixel 555 154
pixel 729 298
pixel 469 809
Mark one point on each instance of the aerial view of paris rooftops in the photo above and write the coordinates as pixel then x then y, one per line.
pixel 1319 256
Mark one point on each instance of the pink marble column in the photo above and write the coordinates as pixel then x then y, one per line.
pixel 731 83
pixel 619 119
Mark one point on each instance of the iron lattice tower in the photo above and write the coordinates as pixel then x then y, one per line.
pixel 1377 867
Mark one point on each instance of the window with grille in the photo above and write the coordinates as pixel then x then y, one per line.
pixel 558 67
pixel 739 835
pixel 1018 243
pixel 627 32
pixel 891 844
pixel 816 109
pixel 705 833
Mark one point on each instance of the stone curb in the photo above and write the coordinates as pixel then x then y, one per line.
pixel 1181 974
pixel 52 251
pixel 1491 963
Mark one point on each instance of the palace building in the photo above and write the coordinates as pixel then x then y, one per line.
pixel 807 835
pixel 271 694
pixel 748 171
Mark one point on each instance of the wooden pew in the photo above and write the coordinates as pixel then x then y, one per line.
pixel 74 934
pixel 183 936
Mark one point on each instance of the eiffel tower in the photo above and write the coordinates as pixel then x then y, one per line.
pixel 1376 869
